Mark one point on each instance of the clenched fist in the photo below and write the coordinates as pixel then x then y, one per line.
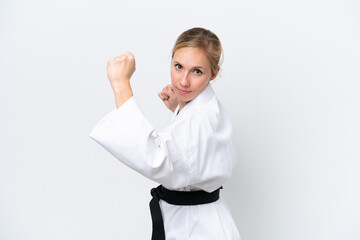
pixel 120 69
pixel 168 97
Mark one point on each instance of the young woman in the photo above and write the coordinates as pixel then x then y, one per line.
pixel 193 156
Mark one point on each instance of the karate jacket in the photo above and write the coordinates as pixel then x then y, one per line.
pixel 195 152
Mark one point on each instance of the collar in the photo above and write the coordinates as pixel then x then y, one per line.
pixel 199 100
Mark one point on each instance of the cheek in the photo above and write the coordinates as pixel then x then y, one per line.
pixel 174 76
pixel 201 83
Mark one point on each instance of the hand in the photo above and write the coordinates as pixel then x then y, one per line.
pixel 168 97
pixel 120 69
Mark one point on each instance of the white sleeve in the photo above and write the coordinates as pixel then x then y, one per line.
pixel 128 136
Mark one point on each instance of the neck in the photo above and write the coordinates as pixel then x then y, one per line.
pixel 182 105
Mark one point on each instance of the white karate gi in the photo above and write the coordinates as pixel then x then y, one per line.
pixel 195 152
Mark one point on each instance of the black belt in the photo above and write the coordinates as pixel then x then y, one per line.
pixel 175 198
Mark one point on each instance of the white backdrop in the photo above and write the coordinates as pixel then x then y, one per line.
pixel 290 82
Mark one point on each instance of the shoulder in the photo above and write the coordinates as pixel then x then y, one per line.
pixel 194 124
pixel 203 115
pixel 210 116
pixel 211 113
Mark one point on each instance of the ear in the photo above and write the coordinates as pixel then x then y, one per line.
pixel 215 74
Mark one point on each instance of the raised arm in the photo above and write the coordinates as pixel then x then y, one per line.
pixel 119 71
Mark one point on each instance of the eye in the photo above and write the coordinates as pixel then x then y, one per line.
pixel 178 66
pixel 197 72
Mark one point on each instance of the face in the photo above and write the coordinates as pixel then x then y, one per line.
pixel 190 73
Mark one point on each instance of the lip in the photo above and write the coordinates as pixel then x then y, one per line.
pixel 183 92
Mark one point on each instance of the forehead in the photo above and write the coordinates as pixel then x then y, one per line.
pixel 191 56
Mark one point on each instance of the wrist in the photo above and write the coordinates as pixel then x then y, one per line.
pixel 122 93
pixel 121 87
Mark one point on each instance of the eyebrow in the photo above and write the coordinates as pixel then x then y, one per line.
pixel 192 67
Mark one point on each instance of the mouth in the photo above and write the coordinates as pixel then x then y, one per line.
pixel 183 92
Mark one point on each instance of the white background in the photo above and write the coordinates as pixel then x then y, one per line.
pixel 290 83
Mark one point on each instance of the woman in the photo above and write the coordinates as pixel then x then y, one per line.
pixel 191 158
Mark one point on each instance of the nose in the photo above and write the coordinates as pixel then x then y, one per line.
pixel 184 82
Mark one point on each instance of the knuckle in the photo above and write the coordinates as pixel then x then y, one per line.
pixel 130 55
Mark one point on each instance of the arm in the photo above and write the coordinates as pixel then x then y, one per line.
pixel 129 136
pixel 119 71
pixel 123 94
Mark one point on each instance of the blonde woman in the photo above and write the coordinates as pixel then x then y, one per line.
pixel 191 158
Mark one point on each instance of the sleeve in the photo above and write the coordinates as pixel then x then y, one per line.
pixel 128 136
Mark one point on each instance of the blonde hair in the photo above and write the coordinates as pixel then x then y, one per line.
pixel 203 39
